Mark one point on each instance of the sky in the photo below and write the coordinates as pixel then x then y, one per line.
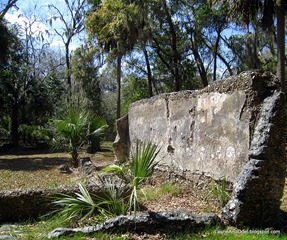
pixel 37 12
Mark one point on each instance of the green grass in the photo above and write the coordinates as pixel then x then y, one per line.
pixel 156 193
pixel 39 231
pixel 173 189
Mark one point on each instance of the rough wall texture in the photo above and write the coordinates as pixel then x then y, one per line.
pixel 24 204
pixel 121 144
pixel 201 133
pixel 234 129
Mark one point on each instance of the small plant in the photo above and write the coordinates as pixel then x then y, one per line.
pixel 75 128
pixel 80 207
pixel 113 202
pixel 150 194
pixel 141 166
pixel 219 190
pixel 174 190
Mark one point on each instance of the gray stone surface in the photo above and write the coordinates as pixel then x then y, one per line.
pixel 259 187
pixel 234 129
pixel 152 222
pixel 121 144
pixel 204 132
pixel 23 204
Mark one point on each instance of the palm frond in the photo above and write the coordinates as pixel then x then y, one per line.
pixel 114 168
pixel 81 207
pixel 143 160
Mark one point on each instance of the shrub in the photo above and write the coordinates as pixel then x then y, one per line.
pixel 75 128
pixel 140 166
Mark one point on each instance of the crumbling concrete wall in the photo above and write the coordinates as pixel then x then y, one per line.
pixel 23 204
pixel 199 132
pixel 234 129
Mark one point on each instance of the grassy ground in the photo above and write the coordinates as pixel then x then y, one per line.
pixel 28 168
pixel 33 169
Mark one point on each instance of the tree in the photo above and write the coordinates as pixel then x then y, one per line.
pixel 30 84
pixel 85 66
pixel 168 40
pixel 5 40
pixel 5 7
pixel 134 88
pixel 115 23
pixel 73 24
pixel 263 12
pixel 12 85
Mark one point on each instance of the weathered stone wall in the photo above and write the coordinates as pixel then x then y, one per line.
pixel 23 204
pixel 234 129
pixel 201 133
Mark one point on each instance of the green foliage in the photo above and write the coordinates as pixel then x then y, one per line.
pixel 134 89
pixel 220 190
pixel 30 134
pixel 85 66
pixel 141 166
pixel 25 93
pixel 80 207
pixel 74 129
pixel 96 128
pixel 115 24
pixel 173 189
pixel 143 162
pixel 112 202
pixel 5 38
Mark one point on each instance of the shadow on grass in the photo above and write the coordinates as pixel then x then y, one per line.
pixel 31 164
pixel 28 151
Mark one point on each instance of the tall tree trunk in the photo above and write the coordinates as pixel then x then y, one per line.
pixel 149 75
pixel 281 43
pixel 199 62
pixel 215 55
pixel 69 79
pixel 119 73
pixel 176 57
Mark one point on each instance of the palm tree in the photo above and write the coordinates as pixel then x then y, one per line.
pixel 115 23
pixel 264 11
pixel 74 129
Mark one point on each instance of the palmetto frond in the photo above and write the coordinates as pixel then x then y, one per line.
pixel 75 128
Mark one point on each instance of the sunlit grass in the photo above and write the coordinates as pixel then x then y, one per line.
pixel 173 189
pixel 41 170
pixel 39 230
pixel 155 193
pixel 39 179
